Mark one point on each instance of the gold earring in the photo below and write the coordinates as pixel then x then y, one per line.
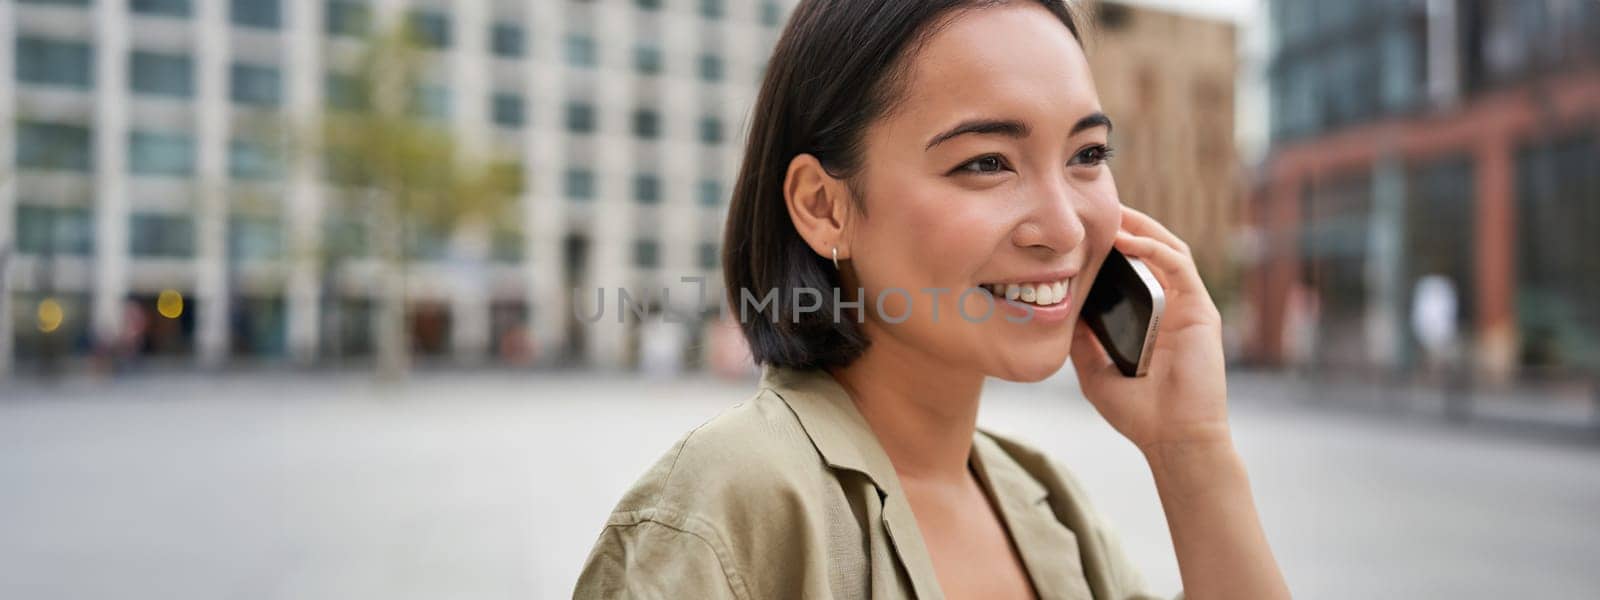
pixel 835 258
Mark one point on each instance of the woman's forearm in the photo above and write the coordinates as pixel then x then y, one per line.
pixel 1222 551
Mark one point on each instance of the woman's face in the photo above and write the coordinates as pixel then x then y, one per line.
pixel 1023 199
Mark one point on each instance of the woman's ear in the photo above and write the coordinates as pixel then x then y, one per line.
pixel 819 206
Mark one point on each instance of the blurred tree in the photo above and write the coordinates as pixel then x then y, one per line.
pixel 407 171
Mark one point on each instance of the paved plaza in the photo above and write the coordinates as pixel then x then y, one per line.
pixel 493 485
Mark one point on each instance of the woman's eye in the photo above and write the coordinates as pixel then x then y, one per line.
pixel 992 163
pixel 1093 155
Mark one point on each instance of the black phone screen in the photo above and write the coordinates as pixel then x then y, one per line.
pixel 1119 311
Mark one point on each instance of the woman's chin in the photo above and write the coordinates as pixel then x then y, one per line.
pixel 1029 369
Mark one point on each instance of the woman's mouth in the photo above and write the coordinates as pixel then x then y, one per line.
pixel 1043 293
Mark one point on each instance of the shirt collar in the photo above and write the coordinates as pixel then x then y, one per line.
pixel 832 421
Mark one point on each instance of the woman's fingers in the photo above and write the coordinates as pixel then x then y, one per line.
pixel 1138 223
pixel 1176 271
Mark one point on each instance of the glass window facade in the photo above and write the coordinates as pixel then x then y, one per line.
pixel 647 189
pixel 256 85
pixel 265 14
pixel 161 235
pixel 710 130
pixel 579 184
pixel 250 160
pixel 54 146
pixel 161 8
pixel 581 51
pixel 506 40
pixel 53 230
pixel 160 74
pixel 430 29
pixel 54 62
pixel 1558 292
pixel 252 237
pixel 646 124
pixel 646 254
pixel 348 17
pixel 508 110
pixel 169 154
pixel 580 117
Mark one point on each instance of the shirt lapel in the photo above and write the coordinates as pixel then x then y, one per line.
pixel 1049 549
pixel 845 441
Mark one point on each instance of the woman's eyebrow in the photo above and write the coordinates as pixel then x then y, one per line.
pixel 1013 128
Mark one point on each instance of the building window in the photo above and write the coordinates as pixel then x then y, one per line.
pixel 431 102
pixel 506 39
pixel 430 29
pixel 711 9
pixel 770 13
pixel 255 237
pixel 646 254
pixel 506 245
pixel 257 85
pixel 581 51
pixel 159 235
pixel 162 74
pixel 50 230
pixel 710 193
pixel 578 184
pixel 56 2
pixel 507 109
pixel 345 92
pixel 710 67
pixel 427 242
pixel 266 14
pixel 252 160
pixel 54 62
pixel 648 4
pixel 647 189
pixel 152 153
pixel 711 130
pixel 348 18
pixel 161 8
pixel 710 258
pixel 580 117
pixel 647 59
pixel 54 146
pixel 646 124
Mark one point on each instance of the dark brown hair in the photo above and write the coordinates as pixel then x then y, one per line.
pixel 838 67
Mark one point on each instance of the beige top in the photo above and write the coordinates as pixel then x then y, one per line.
pixel 789 495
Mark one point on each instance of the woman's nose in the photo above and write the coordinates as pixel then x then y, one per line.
pixel 1054 222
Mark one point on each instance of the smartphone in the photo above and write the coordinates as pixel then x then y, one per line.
pixel 1124 312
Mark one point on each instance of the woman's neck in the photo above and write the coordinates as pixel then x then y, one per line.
pixel 923 413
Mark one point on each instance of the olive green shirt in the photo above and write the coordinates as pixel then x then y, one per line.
pixel 789 495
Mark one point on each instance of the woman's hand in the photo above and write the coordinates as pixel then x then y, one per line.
pixel 1178 416
pixel 1183 398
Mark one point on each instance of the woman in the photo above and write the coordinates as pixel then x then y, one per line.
pixel 903 151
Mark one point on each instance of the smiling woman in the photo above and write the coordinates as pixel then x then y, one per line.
pixel 955 149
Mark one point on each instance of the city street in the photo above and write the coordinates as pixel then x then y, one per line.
pixel 494 485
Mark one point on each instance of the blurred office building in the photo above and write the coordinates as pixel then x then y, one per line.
pixel 156 208
pixel 1432 189
pixel 1167 80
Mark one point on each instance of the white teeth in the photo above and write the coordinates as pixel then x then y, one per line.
pixel 1042 294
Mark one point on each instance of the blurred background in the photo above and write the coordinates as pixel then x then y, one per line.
pixel 289 311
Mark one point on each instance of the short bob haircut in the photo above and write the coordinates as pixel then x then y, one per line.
pixel 837 68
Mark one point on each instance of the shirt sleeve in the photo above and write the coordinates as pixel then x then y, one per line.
pixel 1123 573
pixel 650 559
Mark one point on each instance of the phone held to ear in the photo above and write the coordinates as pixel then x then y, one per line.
pixel 1124 312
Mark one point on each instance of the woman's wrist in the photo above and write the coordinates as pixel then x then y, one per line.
pixel 1196 466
